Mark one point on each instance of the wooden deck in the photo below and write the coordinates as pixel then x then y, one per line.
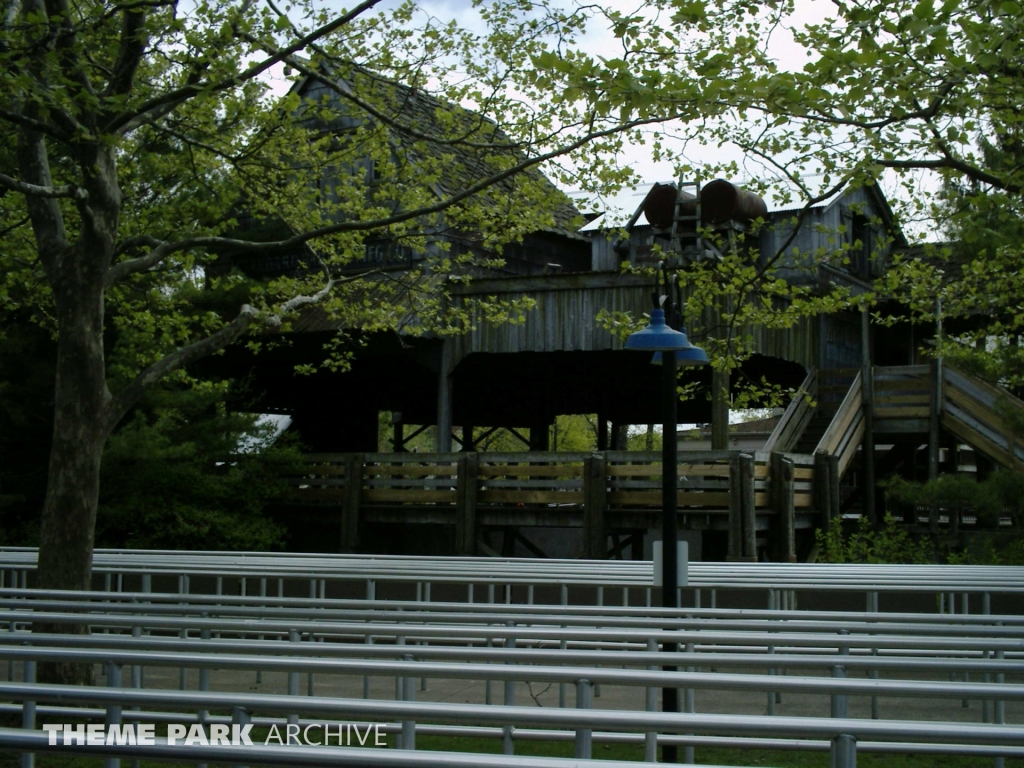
pixel 603 493
pixel 758 497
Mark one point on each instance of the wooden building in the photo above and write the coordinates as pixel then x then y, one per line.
pixel 873 401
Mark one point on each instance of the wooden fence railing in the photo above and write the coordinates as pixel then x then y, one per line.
pixel 975 412
pixel 600 492
pixel 903 392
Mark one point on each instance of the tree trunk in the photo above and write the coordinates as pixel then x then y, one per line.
pixel 79 433
pixel 81 420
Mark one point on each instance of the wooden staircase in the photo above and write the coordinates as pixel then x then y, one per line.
pixel 908 403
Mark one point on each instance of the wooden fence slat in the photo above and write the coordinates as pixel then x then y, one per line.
pixel 491 484
pixel 905 412
pixel 530 497
pixel 409 496
pixel 561 470
pixel 683 498
pixel 411 470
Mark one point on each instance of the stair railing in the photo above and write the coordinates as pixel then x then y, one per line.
pixel 974 412
pixel 796 417
pixel 846 430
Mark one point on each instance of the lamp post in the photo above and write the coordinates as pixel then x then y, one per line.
pixel 675 348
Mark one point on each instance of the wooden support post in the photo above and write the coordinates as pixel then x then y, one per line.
pixel 595 501
pixel 465 504
pixel 787 509
pixel 398 439
pixel 868 406
pixel 748 505
pixel 468 444
pixel 719 410
pixel 602 432
pixel 934 414
pixel 350 506
pixel 822 488
pixel 620 437
pixel 783 501
pixel 735 546
pixel 443 438
pixel 835 499
pixel 539 437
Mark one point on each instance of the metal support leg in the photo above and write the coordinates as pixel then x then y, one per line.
pixel 844 751
pixel 584 736
pixel 409 726
pixel 651 737
pixel 113 716
pixel 28 712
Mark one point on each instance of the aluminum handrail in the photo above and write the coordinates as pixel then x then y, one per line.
pixel 537 734
pixel 611 719
pixel 926 578
pixel 634 678
pixel 454 632
pixel 169 603
pixel 521 654
pixel 529 655
pixel 481 613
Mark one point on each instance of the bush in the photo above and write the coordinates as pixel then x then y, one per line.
pixel 888 544
pixel 173 478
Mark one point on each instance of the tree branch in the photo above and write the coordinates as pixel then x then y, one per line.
pixel 127 397
pixel 23 121
pixel 47 220
pixel 347 93
pixel 166 103
pixel 954 164
pixel 129 55
pixel 67 190
pixel 164 249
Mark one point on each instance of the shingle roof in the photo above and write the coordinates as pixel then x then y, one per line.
pixel 453 135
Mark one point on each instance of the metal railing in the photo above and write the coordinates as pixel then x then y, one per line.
pixel 581 647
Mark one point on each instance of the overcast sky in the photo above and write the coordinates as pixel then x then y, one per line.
pixel 600 41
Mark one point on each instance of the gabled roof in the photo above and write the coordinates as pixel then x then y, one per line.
pixel 625 209
pixel 451 132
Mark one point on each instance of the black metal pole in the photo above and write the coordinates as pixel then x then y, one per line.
pixel 669 522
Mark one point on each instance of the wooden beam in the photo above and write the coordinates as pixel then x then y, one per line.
pixel 595 502
pixel 784 501
pixel 749 507
pixel 735 543
pixel 719 410
pixel 350 503
pixel 822 488
pixel 443 436
pixel 934 416
pixel 868 403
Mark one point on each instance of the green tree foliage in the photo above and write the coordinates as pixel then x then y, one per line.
pixel 142 142
pixel 888 544
pixel 183 473
pixel 920 93
pixel 1001 494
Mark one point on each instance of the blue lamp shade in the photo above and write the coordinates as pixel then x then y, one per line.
pixel 658 337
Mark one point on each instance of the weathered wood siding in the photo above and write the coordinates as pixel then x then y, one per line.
pixel 824 231
pixel 565 318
